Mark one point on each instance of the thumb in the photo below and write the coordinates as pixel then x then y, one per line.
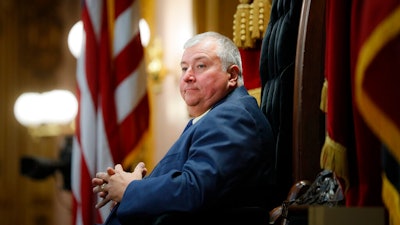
pixel 110 171
pixel 119 168
pixel 141 167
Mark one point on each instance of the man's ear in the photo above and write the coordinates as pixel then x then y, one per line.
pixel 233 70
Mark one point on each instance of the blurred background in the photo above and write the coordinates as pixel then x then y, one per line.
pixel 35 57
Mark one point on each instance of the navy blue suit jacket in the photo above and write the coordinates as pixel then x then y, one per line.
pixel 223 161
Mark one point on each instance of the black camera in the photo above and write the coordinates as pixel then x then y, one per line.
pixel 39 168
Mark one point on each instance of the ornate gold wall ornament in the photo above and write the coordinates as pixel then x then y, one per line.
pixel 155 65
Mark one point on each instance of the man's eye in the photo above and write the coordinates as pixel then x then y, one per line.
pixel 201 66
pixel 184 69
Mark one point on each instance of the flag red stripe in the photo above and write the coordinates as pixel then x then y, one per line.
pixel 138 119
pixel 121 6
pixel 131 57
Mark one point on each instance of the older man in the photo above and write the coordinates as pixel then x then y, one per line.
pixel 222 162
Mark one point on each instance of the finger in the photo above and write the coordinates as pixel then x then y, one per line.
pixel 102 175
pixel 96 189
pixel 97 181
pixel 102 194
pixel 102 203
pixel 140 167
pixel 99 189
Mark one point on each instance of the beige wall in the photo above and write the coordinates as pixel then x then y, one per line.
pixel 170 115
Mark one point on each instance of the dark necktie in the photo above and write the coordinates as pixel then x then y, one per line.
pixel 188 125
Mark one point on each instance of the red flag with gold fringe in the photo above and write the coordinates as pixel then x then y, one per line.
pixel 337 105
pixel 376 60
pixel 350 147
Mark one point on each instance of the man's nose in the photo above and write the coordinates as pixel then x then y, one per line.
pixel 189 74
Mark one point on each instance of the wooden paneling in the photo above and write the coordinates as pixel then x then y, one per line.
pixel 212 15
pixel 33 57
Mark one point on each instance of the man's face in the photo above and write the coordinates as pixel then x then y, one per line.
pixel 203 81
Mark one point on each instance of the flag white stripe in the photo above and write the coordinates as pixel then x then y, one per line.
pixel 125 100
pixel 121 39
pixel 94 7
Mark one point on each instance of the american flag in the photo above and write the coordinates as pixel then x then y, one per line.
pixel 113 116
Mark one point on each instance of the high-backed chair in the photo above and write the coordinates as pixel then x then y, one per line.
pixel 277 63
pixel 308 118
pixel 308 121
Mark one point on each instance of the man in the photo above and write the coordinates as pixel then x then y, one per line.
pixel 219 166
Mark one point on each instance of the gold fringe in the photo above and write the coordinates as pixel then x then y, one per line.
pixel 241 24
pixel 334 158
pixel 259 17
pixel 391 199
pixel 250 22
pixel 324 97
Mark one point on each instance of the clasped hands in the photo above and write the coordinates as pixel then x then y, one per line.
pixel 111 185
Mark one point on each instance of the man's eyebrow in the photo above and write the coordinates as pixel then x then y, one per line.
pixel 200 57
pixel 195 59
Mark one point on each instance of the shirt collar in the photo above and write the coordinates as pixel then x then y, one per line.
pixel 199 117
